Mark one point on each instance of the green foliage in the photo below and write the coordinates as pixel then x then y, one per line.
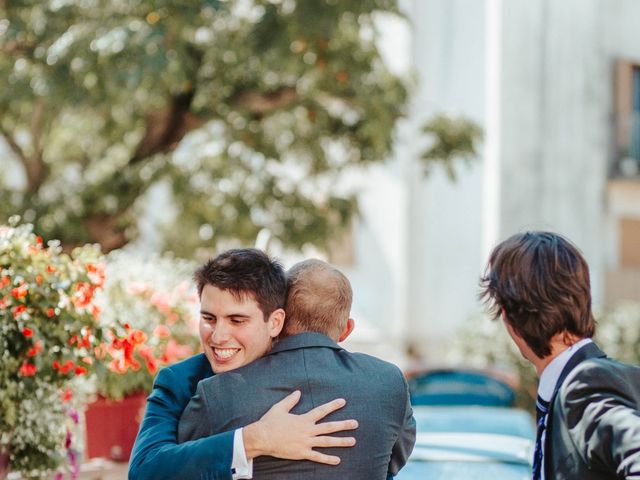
pixel 103 100
pixel 47 336
pixel 452 138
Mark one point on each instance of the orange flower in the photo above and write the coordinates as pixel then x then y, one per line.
pixel 27 332
pixel 51 269
pixel 39 240
pixel 4 281
pixel 4 302
pixel 27 369
pixel 95 272
pixel 39 279
pixel 19 310
pixel 87 360
pixel 137 337
pixel 36 349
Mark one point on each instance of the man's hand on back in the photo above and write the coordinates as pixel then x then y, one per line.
pixel 284 435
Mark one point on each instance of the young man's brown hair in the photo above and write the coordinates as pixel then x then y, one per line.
pixel 318 299
pixel 246 271
pixel 540 282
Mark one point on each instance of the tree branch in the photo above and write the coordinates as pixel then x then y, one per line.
pixel 260 103
pixel 14 146
pixel 166 127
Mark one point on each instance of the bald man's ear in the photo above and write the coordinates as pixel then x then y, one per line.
pixel 347 330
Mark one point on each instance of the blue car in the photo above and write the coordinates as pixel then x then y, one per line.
pixel 471 442
pixel 467 428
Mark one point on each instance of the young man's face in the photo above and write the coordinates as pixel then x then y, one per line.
pixel 233 331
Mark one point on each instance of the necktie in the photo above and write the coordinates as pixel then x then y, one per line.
pixel 542 407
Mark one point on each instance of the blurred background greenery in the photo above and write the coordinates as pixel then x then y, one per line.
pixel 244 113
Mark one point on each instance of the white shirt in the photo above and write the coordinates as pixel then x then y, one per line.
pixel 549 378
pixel 241 468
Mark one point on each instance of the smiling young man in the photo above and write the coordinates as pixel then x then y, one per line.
pixel 242 293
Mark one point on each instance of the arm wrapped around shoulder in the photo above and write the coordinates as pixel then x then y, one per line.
pixel 600 401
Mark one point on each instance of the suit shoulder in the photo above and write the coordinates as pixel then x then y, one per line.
pixel 369 362
pixel 596 376
pixel 190 370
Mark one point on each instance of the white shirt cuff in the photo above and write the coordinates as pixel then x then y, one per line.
pixel 241 468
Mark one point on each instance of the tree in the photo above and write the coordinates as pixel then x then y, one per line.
pixel 247 109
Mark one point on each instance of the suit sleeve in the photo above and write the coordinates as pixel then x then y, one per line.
pixel 601 408
pixel 406 438
pixel 157 456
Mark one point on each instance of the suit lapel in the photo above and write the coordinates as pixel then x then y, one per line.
pixel 590 350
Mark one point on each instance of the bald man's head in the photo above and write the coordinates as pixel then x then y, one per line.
pixel 318 299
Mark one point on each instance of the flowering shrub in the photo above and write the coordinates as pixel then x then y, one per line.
pixel 47 339
pixel 149 320
pixel 485 343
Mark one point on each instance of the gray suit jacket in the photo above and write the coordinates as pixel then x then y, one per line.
pixel 593 432
pixel 376 392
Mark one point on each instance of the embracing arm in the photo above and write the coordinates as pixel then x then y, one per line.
pixel 601 407
pixel 278 433
pixel 156 455
pixel 406 438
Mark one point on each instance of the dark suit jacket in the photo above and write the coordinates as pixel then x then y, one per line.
pixel 593 428
pixel 156 454
pixel 376 392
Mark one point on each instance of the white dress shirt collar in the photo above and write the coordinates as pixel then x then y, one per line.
pixel 551 373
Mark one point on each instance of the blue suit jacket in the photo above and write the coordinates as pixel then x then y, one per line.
pixel 156 455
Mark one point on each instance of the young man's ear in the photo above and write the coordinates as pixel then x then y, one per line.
pixel 348 328
pixel 276 322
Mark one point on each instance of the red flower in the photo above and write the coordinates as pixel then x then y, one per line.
pixel 4 302
pixel 28 370
pixel 66 395
pixel 27 332
pixel 56 365
pixel 147 354
pixel 18 310
pixel 83 295
pixel 20 292
pixel 39 240
pixel 51 268
pixel 50 312
pixel 67 367
pixel 36 349
pixel 80 370
pixel 4 281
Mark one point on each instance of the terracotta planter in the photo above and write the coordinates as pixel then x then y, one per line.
pixel 112 426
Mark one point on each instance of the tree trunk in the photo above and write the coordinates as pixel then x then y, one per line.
pixel 4 463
